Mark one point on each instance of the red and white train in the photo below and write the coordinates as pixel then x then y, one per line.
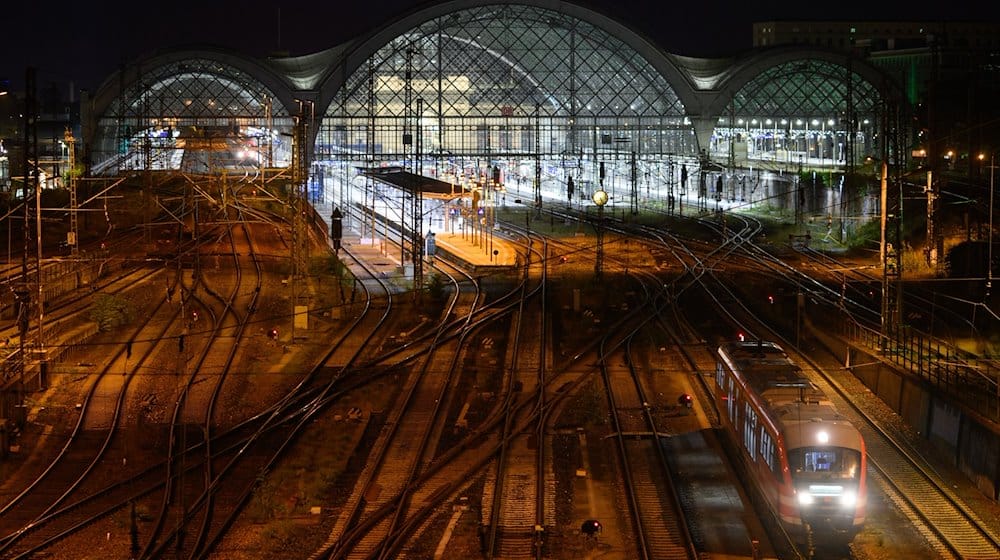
pixel 808 461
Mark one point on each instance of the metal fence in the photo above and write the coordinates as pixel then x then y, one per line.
pixel 972 381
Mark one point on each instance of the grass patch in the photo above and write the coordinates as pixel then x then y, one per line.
pixel 281 536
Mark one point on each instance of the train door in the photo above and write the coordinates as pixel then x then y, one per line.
pixel 731 394
pixel 750 432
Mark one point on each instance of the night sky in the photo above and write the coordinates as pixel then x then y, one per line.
pixel 84 42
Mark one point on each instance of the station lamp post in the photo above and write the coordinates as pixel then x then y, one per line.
pixel 600 198
pixel 989 235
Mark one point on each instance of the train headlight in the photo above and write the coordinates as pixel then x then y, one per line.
pixel 847 499
pixel 805 498
pixel 823 437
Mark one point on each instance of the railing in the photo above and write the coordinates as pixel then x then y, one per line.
pixel 971 381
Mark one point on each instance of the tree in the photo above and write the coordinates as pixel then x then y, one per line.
pixel 111 311
pixel 436 287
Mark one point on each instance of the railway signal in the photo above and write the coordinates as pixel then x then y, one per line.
pixel 336 228
pixel 23 299
pixel 590 527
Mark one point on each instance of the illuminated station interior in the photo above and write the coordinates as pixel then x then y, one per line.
pixel 504 102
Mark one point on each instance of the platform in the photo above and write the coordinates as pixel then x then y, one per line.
pixel 478 255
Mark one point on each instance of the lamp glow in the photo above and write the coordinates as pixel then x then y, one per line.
pixel 848 499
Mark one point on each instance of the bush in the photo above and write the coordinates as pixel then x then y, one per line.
pixel 436 287
pixel 111 311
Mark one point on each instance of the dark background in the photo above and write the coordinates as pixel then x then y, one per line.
pixel 84 42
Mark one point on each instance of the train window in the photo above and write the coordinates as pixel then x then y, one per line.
pixel 731 405
pixel 750 431
pixel 720 375
pixel 767 451
pixel 830 462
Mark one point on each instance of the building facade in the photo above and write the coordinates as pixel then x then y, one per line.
pixel 528 94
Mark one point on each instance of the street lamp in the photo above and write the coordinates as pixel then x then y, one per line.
pixel 600 198
pixel 989 235
pixel 989 238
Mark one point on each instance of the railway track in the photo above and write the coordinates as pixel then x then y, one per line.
pixel 224 328
pixel 405 450
pixel 91 442
pixel 396 507
pixel 952 528
pixel 660 522
pixel 186 450
pixel 517 488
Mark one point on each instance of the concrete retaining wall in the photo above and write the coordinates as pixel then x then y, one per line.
pixel 972 442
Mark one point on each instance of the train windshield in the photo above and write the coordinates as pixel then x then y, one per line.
pixel 825 462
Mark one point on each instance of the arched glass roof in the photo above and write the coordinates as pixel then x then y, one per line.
pixel 804 88
pixel 169 111
pixel 799 112
pixel 487 60
pixel 524 86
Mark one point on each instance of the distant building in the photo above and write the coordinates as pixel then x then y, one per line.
pixel 949 73
pixel 58 109
pixel 878 36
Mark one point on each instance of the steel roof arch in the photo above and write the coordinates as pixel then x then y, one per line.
pixel 755 62
pixel 128 76
pixel 704 87
pixel 353 58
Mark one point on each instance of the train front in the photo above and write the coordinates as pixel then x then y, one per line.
pixel 827 463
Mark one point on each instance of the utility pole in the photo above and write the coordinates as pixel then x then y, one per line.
pixel 931 250
pixel 418 210
pixel 890 248
pixel 989 237
pixel 29 180
pixel 74 226
pixel 538 161
pixel 407 149
pixel 849 141
pixel 634 172
pixel 297 194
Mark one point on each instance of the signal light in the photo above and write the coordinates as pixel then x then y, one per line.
pixel 741 337
pixel 591 527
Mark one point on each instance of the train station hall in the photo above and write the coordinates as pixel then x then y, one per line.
pixel 529 101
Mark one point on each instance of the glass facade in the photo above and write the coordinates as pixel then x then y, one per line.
pixel 803 112
pixel 538 94
pixel 196 116
pixel 512 98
